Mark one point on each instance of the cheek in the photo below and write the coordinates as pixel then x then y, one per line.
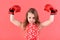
pixel 34 20
pixel 28 19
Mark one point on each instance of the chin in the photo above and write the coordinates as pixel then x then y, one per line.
pixel 31 23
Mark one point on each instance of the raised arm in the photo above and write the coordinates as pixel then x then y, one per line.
pixel 48 22
pixel 51 18
pixel 14 21
pixel 13 11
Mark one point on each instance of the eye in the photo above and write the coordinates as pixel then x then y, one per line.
pixel 33 17
pixel 29 17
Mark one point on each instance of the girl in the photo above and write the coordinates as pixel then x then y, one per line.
pixel 31 25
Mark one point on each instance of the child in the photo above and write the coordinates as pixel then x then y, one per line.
pixel 31 25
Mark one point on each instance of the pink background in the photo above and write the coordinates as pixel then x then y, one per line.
pixel 9 31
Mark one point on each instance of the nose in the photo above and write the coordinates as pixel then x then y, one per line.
pixel 31 19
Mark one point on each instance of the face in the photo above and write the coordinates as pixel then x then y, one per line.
pixel 31 18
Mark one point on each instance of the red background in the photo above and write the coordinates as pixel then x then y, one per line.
pixel 9 31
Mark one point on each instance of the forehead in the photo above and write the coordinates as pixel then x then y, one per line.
pixel 30 14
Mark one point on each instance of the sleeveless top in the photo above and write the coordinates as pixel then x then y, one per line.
pixel 32 32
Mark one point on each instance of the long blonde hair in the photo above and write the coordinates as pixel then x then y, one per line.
pixel 33 11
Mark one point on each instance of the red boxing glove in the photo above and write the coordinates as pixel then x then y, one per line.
pixel 53 11
pixel 16 8
pixel 11 10
pixel 47 7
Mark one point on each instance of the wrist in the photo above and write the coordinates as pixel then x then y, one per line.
pixel 53 12
pixel 12 13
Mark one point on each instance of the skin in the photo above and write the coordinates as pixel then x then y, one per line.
pixel 31 20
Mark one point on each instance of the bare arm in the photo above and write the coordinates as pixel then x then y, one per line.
pixel 13 11
pixel 48 22
pixel 53 12
pixel 14 21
